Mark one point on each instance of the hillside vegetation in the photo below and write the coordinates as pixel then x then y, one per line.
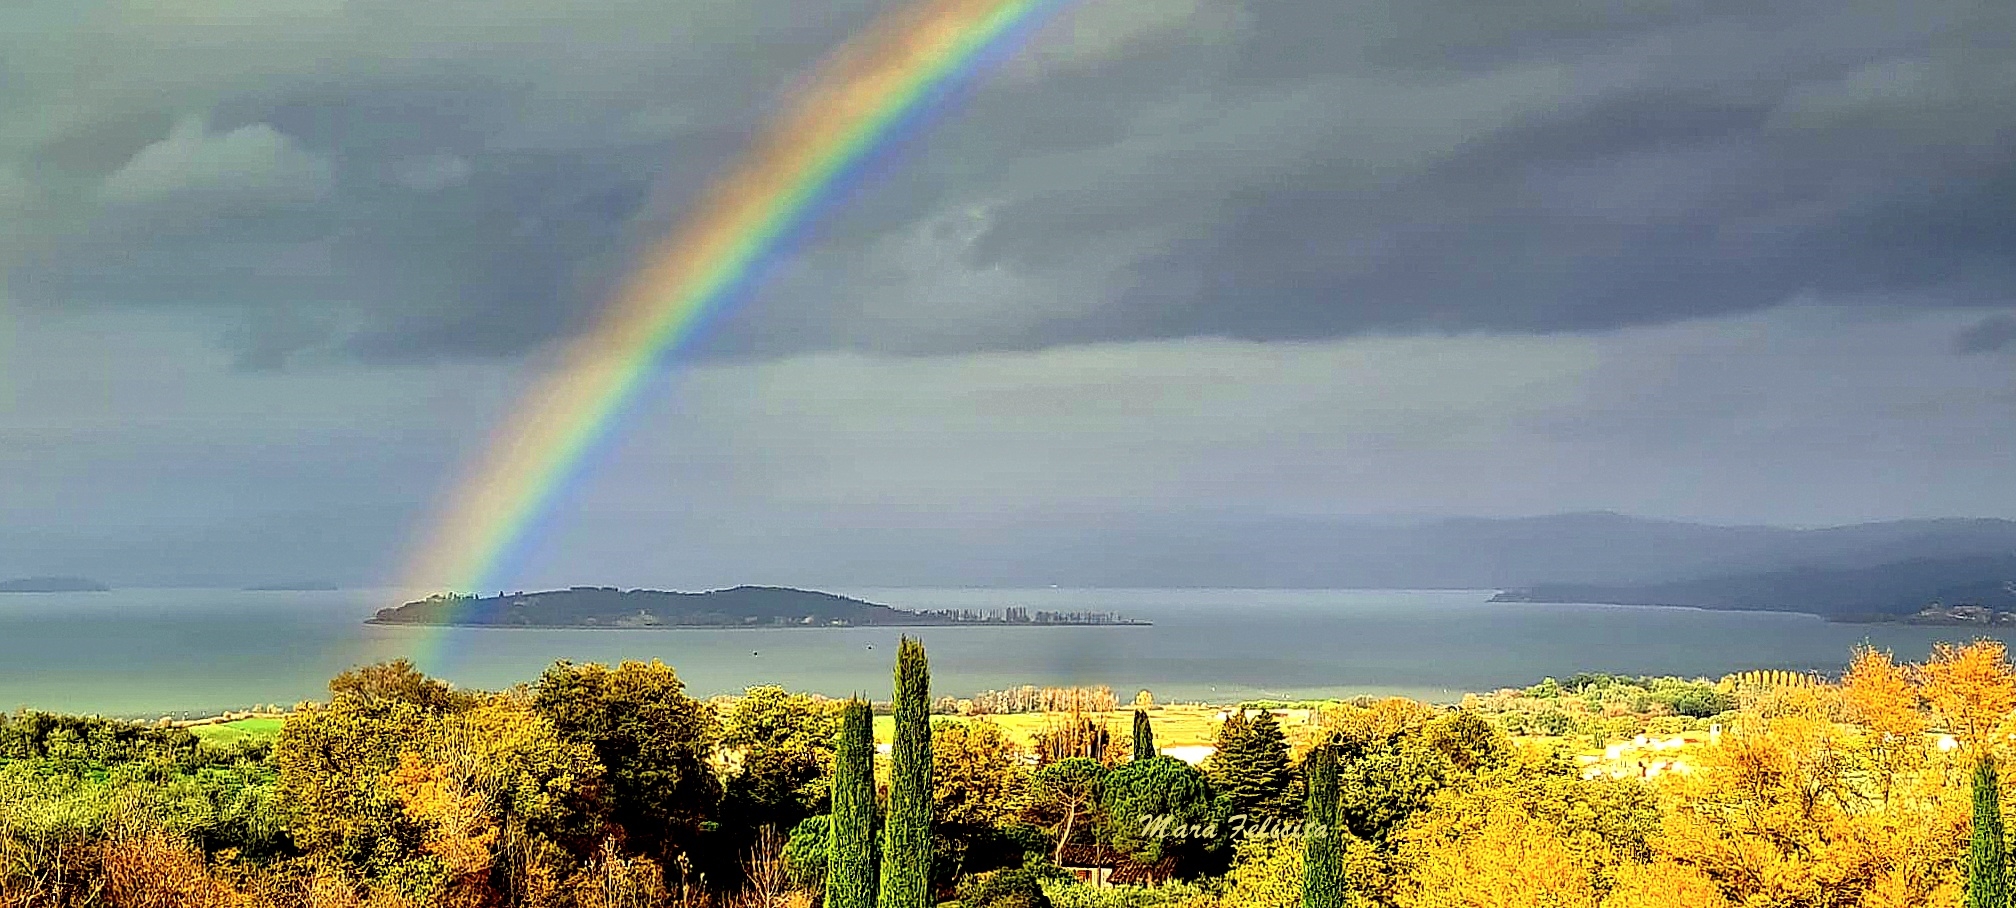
pixel 595 786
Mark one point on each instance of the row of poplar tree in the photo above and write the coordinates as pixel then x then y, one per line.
pixel 902 876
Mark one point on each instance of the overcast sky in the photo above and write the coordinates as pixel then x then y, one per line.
pixel 273 270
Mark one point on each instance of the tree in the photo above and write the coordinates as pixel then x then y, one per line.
pixel 977 785
pixel 399 681
pixel 850 864
pixel 785 744
pixel 1266 874
pixel 1987 873
pixel 1323 841
pixel 1250 769
pixel 1971 688
pixel 1144 737
pixel 653 741
pixel 501 800
pixel 1075 734
pixel 977 775
pixel 1064 798
pixel 334 760
pixel 1157 807
pixel 1663 884
pixel 906 837
pixel 1880 697
pixel 1515 861
pixel 1017 887
pixel 807 852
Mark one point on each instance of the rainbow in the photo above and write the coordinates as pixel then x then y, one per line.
pixel 874 90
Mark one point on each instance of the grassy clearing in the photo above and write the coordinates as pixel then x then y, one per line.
pixel 243 729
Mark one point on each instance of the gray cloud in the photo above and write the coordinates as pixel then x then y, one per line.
pixel 1990 335
pixel 410 183
pixel 158 463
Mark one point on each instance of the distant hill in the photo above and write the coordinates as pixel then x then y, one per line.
pixel 742 606
pixel 1457 553
pixel 1879 592
pixel 1606 548
pixel 52 585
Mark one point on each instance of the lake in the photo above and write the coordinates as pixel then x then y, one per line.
pixel 182 651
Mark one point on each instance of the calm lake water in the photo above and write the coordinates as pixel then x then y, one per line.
pixel 151 652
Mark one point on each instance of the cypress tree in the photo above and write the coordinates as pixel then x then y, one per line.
pixel 906 837
pixel 1144 737
pixel 1323 843
pixel 850 862
pixel 1987 873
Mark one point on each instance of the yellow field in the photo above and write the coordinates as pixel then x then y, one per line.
pixel 1184 725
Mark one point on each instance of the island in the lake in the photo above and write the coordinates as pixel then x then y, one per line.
pixel 742 606
pixel 53 585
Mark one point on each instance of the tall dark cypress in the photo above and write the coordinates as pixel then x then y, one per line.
pixel 906 836
pixel 850 854
pixel 1322 840
pixel 1144 737
pixel 1987 870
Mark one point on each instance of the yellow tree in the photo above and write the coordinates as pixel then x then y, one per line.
pixel 1880 697
pixel 1663 884
pixel 1513 861
pixel 1971 689
pixel 977 775
pixel 1781 815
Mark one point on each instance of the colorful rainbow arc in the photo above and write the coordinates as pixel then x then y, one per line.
pixel 888 78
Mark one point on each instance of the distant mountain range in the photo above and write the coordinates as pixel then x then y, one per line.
pixel 1612 549
pixel 52 585
pixel 1866 572
pixel 1870 569
pixel 1599 548
pixel 1881 592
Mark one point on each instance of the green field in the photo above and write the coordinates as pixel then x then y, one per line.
pixel 241 730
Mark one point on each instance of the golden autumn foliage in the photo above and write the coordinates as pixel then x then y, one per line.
pixel 1663 884
pixel 1816 795
pixel 400 793
pixel 1512 861
pixel 1971 689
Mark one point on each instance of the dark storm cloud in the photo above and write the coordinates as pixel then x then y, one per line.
pixel 395 183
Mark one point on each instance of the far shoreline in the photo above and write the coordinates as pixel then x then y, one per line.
pixel 374 622
pixel 1874 620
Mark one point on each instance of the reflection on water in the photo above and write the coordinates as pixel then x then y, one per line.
pixel 148 652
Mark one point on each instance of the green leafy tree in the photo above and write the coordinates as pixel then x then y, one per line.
pixel 1144 737
pixel 1064 798
pixel 978 782
pixel 399 681
pixel 334 761
pixel 850 863
pixel 808 852
pixel 906 837
pixel 1016 887
pixel 785 745
pixel 1158 807
pixel 653 742
pixel 1322 839
pixel 1987 870
pixel 1250 769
